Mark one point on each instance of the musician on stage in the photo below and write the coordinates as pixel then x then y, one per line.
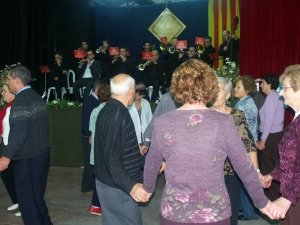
pixel 104 57
pixel 123 63
pixel 230 47
pixel 208 55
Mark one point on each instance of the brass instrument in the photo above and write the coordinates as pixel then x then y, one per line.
pixel 200 49
pixel 142 66
pixel 172 49
pixel 100 49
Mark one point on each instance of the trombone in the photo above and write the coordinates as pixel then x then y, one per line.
pixel 142 66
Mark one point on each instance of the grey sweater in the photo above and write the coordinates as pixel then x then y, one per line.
pixel 28 136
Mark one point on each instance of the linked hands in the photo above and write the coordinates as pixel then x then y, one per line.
pixel 139 194
pixel 4 162
pixel 273 211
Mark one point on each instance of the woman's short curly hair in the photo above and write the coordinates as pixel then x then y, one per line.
pixel 248 84
pixel 103 92
pixel 193 82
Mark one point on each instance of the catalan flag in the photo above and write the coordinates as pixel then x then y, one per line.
pixel 221 15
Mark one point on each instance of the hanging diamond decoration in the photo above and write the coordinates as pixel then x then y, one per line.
pixel 166 25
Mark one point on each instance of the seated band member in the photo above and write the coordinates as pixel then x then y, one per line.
pixel 123 63
pixel 209 52
pixel 88 71
pixel 58 76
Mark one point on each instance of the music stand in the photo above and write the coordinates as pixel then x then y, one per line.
pixel 45 70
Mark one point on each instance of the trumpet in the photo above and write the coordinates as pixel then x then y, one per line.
pixel 99 50
pixel 200 49
pixel 172 49
pixel 142 66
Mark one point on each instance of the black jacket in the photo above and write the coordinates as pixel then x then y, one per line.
pixel 96 70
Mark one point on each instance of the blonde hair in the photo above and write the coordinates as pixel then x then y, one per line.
pixel 292 72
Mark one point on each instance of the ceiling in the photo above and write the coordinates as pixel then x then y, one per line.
pixel 132 3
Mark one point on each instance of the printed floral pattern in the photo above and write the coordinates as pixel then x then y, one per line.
pixel 199 206
pixel 169 140
pixel 195 119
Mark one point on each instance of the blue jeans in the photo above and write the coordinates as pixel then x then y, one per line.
pixel 246 205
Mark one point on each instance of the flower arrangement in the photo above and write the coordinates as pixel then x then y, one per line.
pixel 64 105
pixel 229 71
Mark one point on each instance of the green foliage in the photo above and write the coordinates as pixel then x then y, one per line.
pixel 229 71
pixel 64 105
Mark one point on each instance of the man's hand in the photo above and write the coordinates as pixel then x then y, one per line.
pixel 139 194
pixel 144 149
pixel 4 162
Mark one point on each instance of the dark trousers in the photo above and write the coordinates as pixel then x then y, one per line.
pixel 117 206
pixel 84 82
pixel 88 179
pixel 233 186
pixel 30 179
pixel 269 159
pixel 8 179
pixel 95 199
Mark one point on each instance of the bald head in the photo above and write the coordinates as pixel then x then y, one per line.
pixel 121 84
pixel 226 35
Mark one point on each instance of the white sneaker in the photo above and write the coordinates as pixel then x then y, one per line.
pixel 18 214
pixel 12 207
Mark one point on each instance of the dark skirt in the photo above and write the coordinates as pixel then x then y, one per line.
pixel 293 215
pixel 164 221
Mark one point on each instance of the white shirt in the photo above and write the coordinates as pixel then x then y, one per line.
pixel 6 127
pixel 87 72
pixel 140 124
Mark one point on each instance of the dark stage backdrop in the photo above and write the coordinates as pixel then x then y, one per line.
pixel 270 35
pixel 129 26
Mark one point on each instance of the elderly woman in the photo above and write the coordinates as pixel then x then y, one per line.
pixel 287 172
pixel 231 179
pixel 195 141
pixel 8 175
pixel 271 126
pixel 245 87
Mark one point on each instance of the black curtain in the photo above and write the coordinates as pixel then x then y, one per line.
pixel 27 33
pixel 128 26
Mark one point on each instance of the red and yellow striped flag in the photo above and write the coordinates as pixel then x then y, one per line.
pixel 220 17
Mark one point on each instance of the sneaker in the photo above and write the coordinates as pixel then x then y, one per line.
pixel 12 207
pixel 95 210
pixel 18 214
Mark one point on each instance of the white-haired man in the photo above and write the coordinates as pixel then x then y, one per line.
pixel 117 157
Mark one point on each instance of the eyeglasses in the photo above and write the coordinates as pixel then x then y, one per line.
pixel 283 88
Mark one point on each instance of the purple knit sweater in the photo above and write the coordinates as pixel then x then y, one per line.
pixel 195 144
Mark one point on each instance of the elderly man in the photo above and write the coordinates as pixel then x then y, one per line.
pixel 117 157
pixel 28 147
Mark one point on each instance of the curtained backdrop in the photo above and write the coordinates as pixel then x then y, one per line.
pixel 270 35
pixel 129 26
pixel 32 30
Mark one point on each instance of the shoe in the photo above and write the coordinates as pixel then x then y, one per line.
pixel 18 214
pixel 13 207
pixel 95 210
